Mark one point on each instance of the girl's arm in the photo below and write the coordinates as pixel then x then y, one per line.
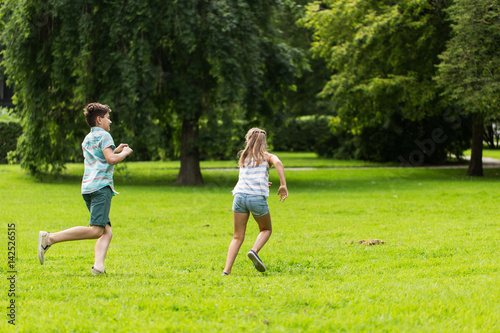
pixel 282 191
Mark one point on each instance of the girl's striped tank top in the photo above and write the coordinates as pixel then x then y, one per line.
pixel 253 180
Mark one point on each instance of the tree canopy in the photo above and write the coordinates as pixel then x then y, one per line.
pixel 469 71
pixel 164 63
pixel 185 78
pixel 382 56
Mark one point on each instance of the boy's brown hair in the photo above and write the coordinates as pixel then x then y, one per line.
pixel 94 110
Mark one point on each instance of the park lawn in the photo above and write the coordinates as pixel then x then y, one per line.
pixel 492 153
pixel 437 272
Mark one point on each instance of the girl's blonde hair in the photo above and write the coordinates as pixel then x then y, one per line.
pixel 255 149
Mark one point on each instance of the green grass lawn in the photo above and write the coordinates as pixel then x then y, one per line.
pixel 437 272
pixel 493 153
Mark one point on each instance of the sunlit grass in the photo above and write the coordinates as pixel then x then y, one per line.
pixel 493 153
pixel 437 272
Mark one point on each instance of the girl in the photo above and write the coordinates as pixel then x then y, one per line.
pixel 250 196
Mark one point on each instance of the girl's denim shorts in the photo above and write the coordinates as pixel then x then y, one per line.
pixel 250 203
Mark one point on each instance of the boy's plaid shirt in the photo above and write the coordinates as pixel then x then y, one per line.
pixel 98 173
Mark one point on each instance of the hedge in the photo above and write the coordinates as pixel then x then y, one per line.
pixel 9 133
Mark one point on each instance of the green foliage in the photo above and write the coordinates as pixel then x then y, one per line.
pixel 160 65
pixel 397 138
pixel 10 130
pixel 303 97
pixel 306 133
pixel 382 56
pixel 423 142
pixel 77 53
pixel 221 137
pixel 426 141
pixel 469 71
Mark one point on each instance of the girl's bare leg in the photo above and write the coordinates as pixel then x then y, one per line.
pixel 266 229
pixel 240 226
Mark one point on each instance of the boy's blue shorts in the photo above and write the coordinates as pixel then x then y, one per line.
pixel 255 204
pixel 99 205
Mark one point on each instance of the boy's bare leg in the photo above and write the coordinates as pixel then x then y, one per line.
pixel 240 226
pixel 101 248
pixel 266 229
pixel 76 233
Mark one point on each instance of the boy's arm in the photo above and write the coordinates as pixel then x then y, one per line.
pixel 282 191
pixel 120 148
pixel 113 158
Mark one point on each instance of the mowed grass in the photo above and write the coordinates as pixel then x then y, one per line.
pixel 492 153
pixel 437 272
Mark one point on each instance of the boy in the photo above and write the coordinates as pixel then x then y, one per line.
pixel 97 187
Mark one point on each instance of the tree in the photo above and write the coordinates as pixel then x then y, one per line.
pixel 304 99
pixel 382 55
pixel 61 55
pixel 153 62
pixel 491 133
pixel 469 71
pixel 220 53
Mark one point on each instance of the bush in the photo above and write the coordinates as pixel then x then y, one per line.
pixel 306 133
pixel 397 140
pixel 149 139
pixel 428 141
pixel 221 139
pixel 9 133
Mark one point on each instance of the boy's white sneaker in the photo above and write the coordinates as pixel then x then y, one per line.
pixel 95 271
pixel 43 245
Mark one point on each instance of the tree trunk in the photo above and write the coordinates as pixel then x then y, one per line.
pixel 476 156
pixel 489 136
pixel 190 173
